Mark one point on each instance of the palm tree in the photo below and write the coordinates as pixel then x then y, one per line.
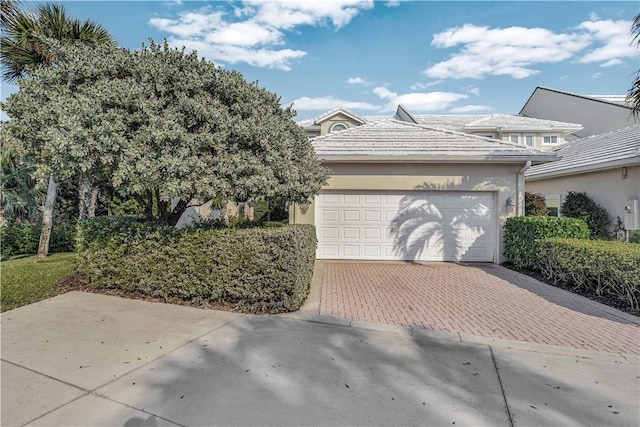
pixel 633 96
pixel 19 194
pixel 27 42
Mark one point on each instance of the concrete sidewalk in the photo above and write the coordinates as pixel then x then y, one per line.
pixel 87 359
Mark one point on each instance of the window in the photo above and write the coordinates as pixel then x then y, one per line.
pixel 487 135
pixel 553 205
pixel 338 127
pixel 529 140
pixel 514 137
pixel 550 139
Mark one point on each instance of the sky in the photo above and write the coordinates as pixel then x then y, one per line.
pixel 448 57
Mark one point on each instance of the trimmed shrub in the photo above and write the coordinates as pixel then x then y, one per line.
pixel 257 269
pixel 535 204
pixel 634 236
pixel 23 237
pixel 523 233
pixel 579 205
pixel 598 267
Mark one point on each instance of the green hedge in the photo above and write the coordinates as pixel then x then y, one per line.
pixel 22 238
pixel 522 235
pixel 603 268
pixel 257 269
pixel 634 236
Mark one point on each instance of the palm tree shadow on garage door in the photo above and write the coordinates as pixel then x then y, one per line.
pixel 421 230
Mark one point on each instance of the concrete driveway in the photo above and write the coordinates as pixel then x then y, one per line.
pixel 473 300
pixel 96 360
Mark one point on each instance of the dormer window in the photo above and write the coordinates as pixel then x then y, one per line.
pixel 550 139
pixel 338 127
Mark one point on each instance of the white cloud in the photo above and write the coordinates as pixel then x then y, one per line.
pixel 190 24
pixel 474 90
pixel 470 108
pixel 288 14
pixel 261 57
pixel 565 77
pixel 614 41
pixel 423 86
pixel 418 101
pixel 244 34
pixel 501 51
pixel 329 102
pixel 593 16
pixel 596 75
pixel 515 51
pixel 392 3
pixel 611 62
pixel 254 32
pixel 358 81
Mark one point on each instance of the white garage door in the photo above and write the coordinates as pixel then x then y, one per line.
pixel 417 225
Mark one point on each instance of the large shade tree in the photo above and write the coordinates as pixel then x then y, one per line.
pixel 26 45
pixel 165 127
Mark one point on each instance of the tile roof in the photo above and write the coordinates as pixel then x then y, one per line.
pixel 395 140
pixel 466 122
pixel 610 149
pixel 521 123
pixel 614 99
pixel 447 121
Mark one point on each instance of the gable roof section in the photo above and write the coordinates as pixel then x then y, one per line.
pixel 506 123
pixel 392 140
pixel 612 149
pixel 338 110
pixel 605 99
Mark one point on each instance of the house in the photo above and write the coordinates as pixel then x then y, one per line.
pixel 403 188
pixel 532 132
pixel 605 166
pixel 598 114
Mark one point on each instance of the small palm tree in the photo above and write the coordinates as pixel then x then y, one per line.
pixel 633 96
pixel 27 43
pixel 19 194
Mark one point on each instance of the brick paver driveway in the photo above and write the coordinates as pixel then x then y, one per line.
pixel 475 299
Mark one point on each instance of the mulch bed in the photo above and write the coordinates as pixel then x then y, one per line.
pixel 76 282
pixel 609 300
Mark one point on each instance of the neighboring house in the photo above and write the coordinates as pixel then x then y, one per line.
pixel 605 166
pixel 537 133
pixel 596 113
pixel 403 190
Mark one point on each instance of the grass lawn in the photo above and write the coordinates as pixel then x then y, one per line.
pixel 28 280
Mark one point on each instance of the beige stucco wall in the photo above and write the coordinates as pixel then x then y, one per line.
pixel 605 187
pixel 500 179
pixel 537 138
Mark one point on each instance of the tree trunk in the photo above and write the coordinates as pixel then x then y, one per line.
pixel 47 218
pixel 84 195
pixel 93 203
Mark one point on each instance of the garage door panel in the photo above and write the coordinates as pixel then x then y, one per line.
pixel 351 232
pixel 329 232
pixel 372 215
pixel 416 225
pixel 351 250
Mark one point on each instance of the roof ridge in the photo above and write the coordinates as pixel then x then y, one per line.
pixel 589 97
pixel 482 138
pixel 338 109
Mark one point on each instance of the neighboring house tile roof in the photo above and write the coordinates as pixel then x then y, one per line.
pixel 612 149
pixel 447 121
pixel 506 122
pixel 607 99
pixel 613 99
pixel 395 140
pixel 459 122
